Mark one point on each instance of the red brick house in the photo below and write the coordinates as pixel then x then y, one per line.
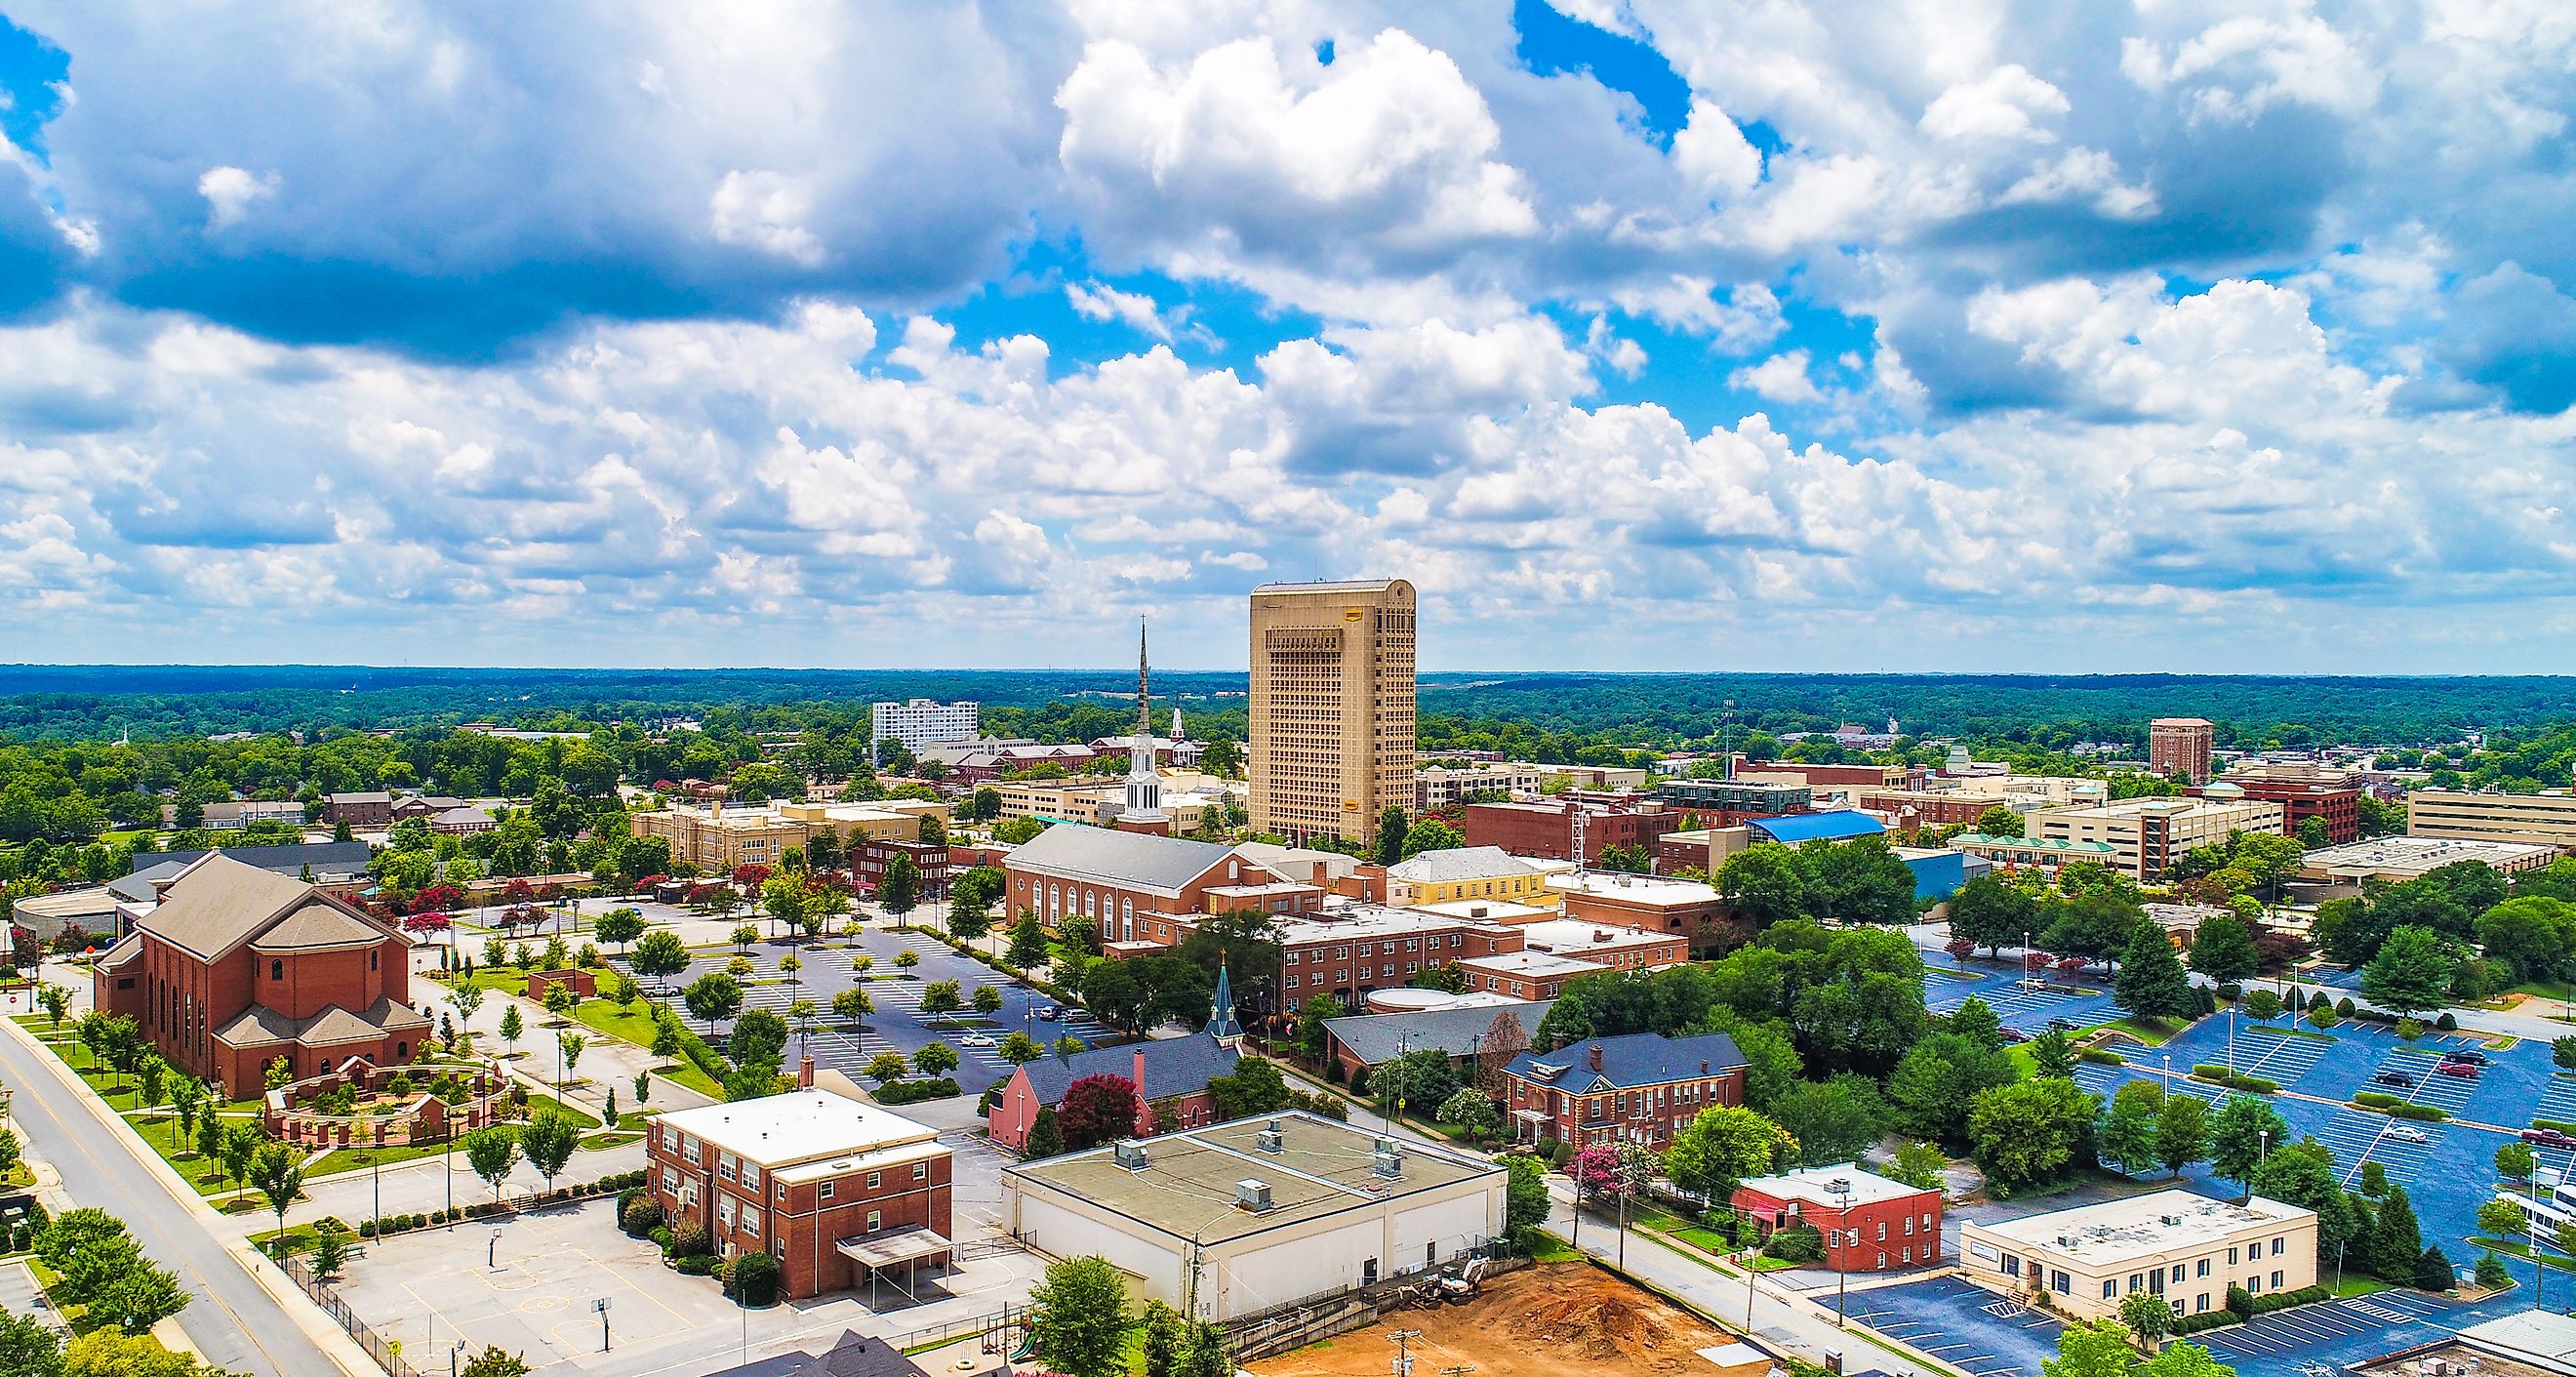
pixel 1640 1088
pixel 839 1191
pixel 1873 1224
pixel 238 966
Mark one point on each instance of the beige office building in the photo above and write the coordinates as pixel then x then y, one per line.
pixel 2147 834
pixel 2185 1247
pixel 2533 819
pixel 1332 706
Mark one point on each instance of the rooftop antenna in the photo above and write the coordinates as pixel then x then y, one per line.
pixel 1726 738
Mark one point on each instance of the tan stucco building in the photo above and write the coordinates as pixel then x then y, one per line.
pixel 2547 819
pixel 2147 834
pixel 2185 1247
pixel 1332 706
pixel 718 839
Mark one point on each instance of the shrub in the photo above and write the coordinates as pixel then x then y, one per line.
pixel 2231 991
pixel 2373 1099
pixel 2426 1112
pixel 691 1239
pixel 753 1279
pixel 366 1228
pixel 696 1265
pixel 639 1217
pixel 1563 1154
pixel 2410 1029
pixel 661 1236
pixel 2345 1006
pixel 2240 1301
pixel 1802 1244
pixel 2102 1056
pixel 2447 1022
pixel 912 1092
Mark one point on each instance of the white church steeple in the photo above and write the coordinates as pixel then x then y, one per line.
pixel 1144 809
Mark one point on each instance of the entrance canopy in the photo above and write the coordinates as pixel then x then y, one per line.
pixel 896 1247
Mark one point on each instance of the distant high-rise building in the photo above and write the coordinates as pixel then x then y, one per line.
pixel 922 722
pixel 2178 748
pixel 1332 706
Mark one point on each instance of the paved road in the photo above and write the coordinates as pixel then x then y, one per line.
pixel 234 1322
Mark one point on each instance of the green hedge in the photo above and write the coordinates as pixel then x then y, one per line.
pixel 2102 1056
pixel 2373 1099
pixel 912 1092
pixel 2282 1300
pixel 2219 1075
pixel 2427 1112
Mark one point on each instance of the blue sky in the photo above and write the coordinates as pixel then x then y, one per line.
pixel 1640 334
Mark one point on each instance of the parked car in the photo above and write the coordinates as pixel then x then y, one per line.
pixel 2459 1068
pixel 2392 1078
pixel 2408 1133
pixel 2548 1137
pixel 976 1040
pixel 2472 1058
pixel 2061 1025
pixel 2012 1035
pixel 1048 1012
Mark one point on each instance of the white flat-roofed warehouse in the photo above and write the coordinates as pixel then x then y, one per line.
pixel 1239 1217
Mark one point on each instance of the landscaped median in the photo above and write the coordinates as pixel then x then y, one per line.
pixel 157 1124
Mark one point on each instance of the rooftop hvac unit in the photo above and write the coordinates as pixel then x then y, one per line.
pixel 1390 1158
pixel 1273 1138
pixel 1131 1155
pixel 1252 1195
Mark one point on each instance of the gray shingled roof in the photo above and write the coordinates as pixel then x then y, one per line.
pixel 1373 1038
pixel 1122 858
pixel 1173 1066
pixel 1460 863
pixel 261 1024
pixel 1633 1060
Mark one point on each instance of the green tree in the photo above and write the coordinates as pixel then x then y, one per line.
pixel 712 997
pixel 494 1361
pixel 549 1140
pixel 1862 880
pixel 852 1005
pixel 1472 1111
pixel 491 1153
pixel 2128 1134
pixel 935 1059
pixel 1920 1165
pixel 1834 1120
pixel 2093 1348
pixel 278 1172
pixel 1392 827
pixel 1990 913
pixel 2029 1131
pixel 1045 1138
pixel 2396 1242
pixel 1162 1347
pixel 28 1347
pixel 1078 1318
pixel 1028 945
pixel 2148 1315
pixel 2533 935
pixel 1431 834
pixel 2411 974
pixel 2184 1360
pixel 512 1026
pixel 1253 1087
pixel 2239 1134
pixel 1722 1145
pixel 2182 1132
pixel 885 1068
pixel 2502 1218
pixel 618 927
pixel 1939 1079
pixel 140 1297
pixel 2516 1160
pixel 2151 982
pixel 2223 949
pixel 1525 1200
pixel 1764 884
pixel 900 891
pixel 659 955
pixel 1204 1352
pixel 2053 1054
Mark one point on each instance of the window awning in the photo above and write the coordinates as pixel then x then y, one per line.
pixel 895 1247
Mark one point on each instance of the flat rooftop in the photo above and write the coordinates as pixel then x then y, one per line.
pixel 1575 937
pixel 1531 964
pixel 797 1127
pixel 1808 1185
pixel 2118 1230
pixel 1642 889
pixel 1188 1187
pixel 1488 911
pixel 2398 855
pixel 1352 921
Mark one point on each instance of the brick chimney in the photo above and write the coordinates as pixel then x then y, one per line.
pixel 805 1072
pixel 1594 1057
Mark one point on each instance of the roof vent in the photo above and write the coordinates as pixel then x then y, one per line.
pixel 1253 1195
pixel 1131 1154
pixel 1274 1137
pixel 1389 1160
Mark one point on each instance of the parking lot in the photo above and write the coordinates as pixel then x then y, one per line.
pixel 2016 1007
pixel 1969 1328
pixel 829 966
pixel 534 1296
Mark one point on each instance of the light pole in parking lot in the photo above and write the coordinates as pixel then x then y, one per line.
pixel 2168 1075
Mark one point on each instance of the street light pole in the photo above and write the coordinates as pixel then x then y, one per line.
pixel 1840 1186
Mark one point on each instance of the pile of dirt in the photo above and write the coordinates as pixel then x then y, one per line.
pixel 1559 1320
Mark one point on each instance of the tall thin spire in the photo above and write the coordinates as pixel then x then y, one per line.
pixel 1144 784
pixel 1144 695
pixel 1221 1023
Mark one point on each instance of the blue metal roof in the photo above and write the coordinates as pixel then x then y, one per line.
pixel 1798 827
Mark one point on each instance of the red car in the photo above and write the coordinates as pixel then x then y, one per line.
pixel 2548 1137
pixel 2459 1068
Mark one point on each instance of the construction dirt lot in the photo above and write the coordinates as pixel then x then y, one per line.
pixel 1557 1320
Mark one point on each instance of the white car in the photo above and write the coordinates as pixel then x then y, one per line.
pixel 976 1040
pixel 2407 1134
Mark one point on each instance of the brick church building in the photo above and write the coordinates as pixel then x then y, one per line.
pixel 238 966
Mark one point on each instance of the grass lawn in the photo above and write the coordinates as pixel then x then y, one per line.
pixel 2520 1249
pixel 156 1129
pixel 597 1141
pixel 2356 1285
pixel 1554 1249
pixel 2154 1032
pixel 635 1024
pixel 360 1158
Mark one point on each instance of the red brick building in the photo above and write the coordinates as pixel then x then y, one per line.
pixel 1545 831
pixel 1168 1073
pixel 837 1190
pixel 2333 797
pixel 239 966
pixel 869 857
pixel 371 809
pixel 1641 1088
pixel 1116 882
pixel 1872 1224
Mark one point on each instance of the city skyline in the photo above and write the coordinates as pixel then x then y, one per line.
pixel 1990 340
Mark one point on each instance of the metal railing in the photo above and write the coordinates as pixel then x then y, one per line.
pixel 324 1295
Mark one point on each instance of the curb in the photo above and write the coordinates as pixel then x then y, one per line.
pixel 334 1341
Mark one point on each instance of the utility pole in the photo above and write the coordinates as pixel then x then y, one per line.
pixel 1402 1366
pixel 1840 1186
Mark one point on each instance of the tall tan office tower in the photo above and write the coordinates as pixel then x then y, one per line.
pixel 1332 706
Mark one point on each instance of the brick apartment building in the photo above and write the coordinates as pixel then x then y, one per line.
pixel 837 1190
pixel 869 858
pixel 1545 831
pixel 1686 908
pixel 1640 1088
pixel 369 808
pixel 1872 1224
pixel 239 966
pixel 2179 748
pixel 1726 802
